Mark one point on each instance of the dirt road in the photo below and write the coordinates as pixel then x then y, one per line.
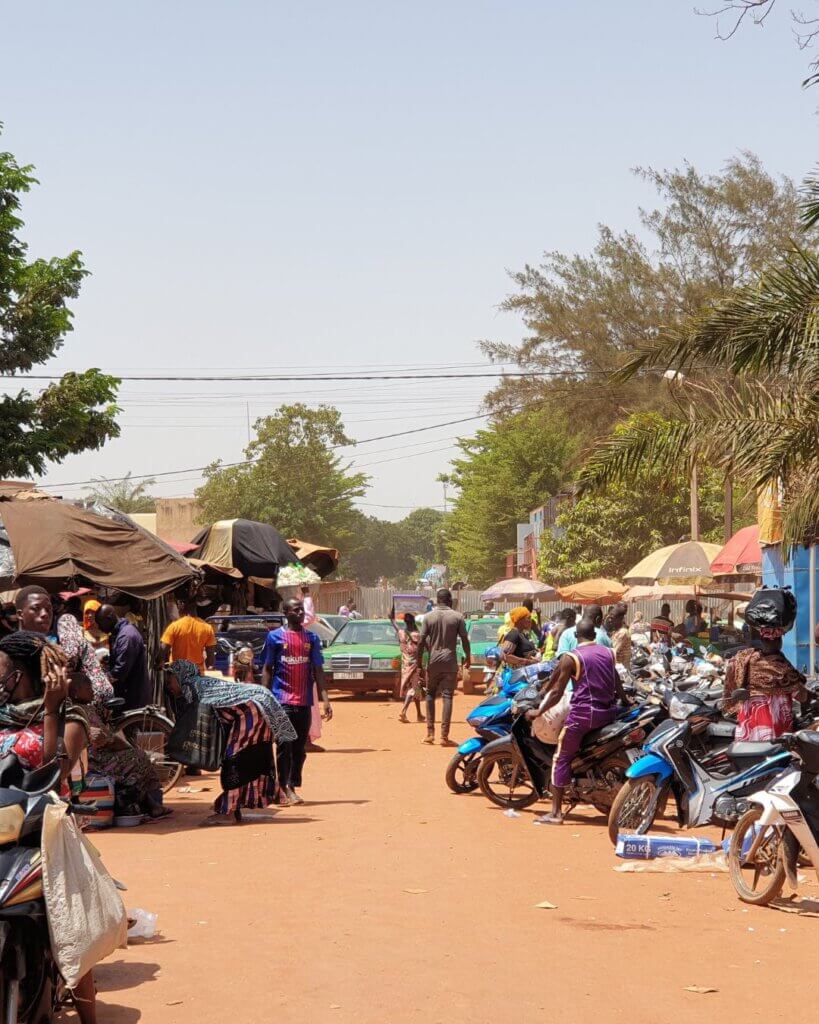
pixel 388 899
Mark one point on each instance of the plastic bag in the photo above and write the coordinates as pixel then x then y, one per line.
pixel 144 926
pixel 711 862
pixel 86 917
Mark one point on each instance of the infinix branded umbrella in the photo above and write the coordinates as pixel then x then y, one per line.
pixel 688 563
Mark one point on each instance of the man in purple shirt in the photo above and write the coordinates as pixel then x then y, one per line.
pixel 128 663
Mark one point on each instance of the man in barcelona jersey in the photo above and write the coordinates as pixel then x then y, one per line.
pixel 292 664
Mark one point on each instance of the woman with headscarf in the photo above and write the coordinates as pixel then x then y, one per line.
pixel 516 647
pixel 33 686
pixel 81 658
pixel 412 670
pixel 254 720
pixel 773 684
pixel 93 634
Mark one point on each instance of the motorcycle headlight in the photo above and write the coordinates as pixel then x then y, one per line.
pixel 384 664
pixel 679 710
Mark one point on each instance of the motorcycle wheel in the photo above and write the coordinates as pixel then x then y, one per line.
pixel 461 773
pixel 614 770
pixel 767 868
pixel 137 727
pixel 634 808
pixel 504 780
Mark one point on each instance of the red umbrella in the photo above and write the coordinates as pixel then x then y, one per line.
pixel 741 556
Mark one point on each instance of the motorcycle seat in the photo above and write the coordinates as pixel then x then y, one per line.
pixel 758 750
pixel 722 730
pixel 604 733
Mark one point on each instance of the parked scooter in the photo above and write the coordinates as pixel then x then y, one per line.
pixel 781 825
pixel 704 793
pixel 516 771
pixel 491 719
pixel 29 981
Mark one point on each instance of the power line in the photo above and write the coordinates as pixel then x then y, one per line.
pixel 315 378
pixel 250 462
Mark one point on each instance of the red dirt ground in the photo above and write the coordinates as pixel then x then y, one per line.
pixel 307 917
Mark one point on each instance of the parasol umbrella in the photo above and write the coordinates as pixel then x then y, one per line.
pixel 257 550
pixel 741 556
pixel 51 541
pixel 688 563
pixel 519 588
pixel 596 591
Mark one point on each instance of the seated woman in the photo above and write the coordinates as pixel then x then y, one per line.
pixel 33 686
pixel 254 720
pixel 773 684
pixel 82 658
pixel 518 649
pixel 110 754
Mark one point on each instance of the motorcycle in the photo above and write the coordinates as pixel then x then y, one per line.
pixel 30 988
pixel 705 793
pixel 781 825
pixel 515 771
pixel 492 718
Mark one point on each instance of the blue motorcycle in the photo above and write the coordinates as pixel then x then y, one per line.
pixel 707 789
pixel 491 719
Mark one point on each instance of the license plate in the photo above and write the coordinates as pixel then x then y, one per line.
pixel 348 675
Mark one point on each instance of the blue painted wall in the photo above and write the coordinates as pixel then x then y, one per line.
pixel 793 574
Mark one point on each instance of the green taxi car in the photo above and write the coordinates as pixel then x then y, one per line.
pixel 364 657
pixel 483 634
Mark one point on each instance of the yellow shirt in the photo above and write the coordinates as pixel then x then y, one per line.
pixel 188 637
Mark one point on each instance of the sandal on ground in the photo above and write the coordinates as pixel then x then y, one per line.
pixel 219 819
pixel 428 739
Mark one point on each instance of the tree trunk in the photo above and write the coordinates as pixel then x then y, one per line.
pixel 695 506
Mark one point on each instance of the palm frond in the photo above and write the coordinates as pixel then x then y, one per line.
pixel 810 202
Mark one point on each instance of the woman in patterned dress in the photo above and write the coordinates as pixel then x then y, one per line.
pixel 254 720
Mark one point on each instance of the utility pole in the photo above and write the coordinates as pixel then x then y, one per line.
pixel 695 505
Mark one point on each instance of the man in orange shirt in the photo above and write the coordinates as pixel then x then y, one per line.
pixel 189 638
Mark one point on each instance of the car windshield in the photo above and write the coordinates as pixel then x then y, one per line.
pixel 483 632
pixel 366 633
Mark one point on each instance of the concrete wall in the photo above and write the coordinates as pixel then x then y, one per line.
pixel 178 518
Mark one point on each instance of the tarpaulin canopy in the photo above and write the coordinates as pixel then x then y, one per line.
pixel 595 591
pixel 687 563
pixel 51 541
pixel 741 556
pixel 255 549
pixel 519 588
pixel 321 560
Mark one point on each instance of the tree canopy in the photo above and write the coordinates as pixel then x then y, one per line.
pixel 605 534
pixel 505 471
pixel 397 551
pixel 586 315
pixel 125 495
pixel 292 478
pixel 75 413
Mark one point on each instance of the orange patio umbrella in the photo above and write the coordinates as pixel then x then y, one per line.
pixel 596 591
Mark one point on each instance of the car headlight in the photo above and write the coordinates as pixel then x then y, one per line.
pixel 385 664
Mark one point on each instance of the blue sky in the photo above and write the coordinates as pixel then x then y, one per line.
pixel 317 185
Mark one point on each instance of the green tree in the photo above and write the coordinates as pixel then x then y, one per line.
pixel 586 315
pixel 751 404
pixel 606 533
pixel 125 495
pixel 75 413
pixel 397 551
pixel 505 471
pixel 293 479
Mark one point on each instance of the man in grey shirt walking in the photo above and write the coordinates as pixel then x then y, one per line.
pixel 441 629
